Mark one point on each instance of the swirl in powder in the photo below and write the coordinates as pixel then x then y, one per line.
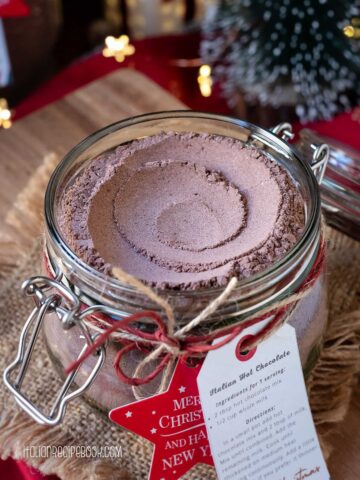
pixel 182 210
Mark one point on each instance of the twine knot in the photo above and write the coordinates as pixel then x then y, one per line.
pixel 164 344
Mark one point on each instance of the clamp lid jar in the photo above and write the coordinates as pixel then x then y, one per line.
pixel 69 325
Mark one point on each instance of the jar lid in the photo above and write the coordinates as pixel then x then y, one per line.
pixel 340 186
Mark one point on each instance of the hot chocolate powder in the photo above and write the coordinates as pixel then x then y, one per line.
pixel 182 210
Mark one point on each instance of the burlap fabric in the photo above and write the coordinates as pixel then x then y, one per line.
pixel 329 386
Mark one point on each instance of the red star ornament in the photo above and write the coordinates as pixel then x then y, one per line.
pixel 173 421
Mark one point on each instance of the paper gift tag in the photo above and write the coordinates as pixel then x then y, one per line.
pixel 5 67
pixel 8 8
pixel 173 422
pixel 257 412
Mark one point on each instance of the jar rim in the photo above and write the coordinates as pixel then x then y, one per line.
pixel 257 133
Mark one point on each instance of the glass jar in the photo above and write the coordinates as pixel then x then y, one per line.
pixel 251 295
pixel 340 188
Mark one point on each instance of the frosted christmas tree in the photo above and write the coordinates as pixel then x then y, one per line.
pixel 285 52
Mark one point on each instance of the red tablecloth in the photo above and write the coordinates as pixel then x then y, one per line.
pixel 155 58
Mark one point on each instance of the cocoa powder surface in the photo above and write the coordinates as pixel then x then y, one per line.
pixel 182 210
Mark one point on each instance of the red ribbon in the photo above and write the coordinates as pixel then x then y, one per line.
pixel 191 345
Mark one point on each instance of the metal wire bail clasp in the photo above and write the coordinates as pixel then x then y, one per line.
pixel 284 131
pixel 66 305
pixel 320 153
pixel 320 159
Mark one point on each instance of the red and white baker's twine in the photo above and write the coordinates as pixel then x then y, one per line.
pixel 167 344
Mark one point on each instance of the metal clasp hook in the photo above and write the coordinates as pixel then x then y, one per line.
pixel 284 131
pixel 320 154
pixel 67 307
pixel 319 160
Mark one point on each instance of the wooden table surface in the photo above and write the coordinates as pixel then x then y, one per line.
pixel 63 124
